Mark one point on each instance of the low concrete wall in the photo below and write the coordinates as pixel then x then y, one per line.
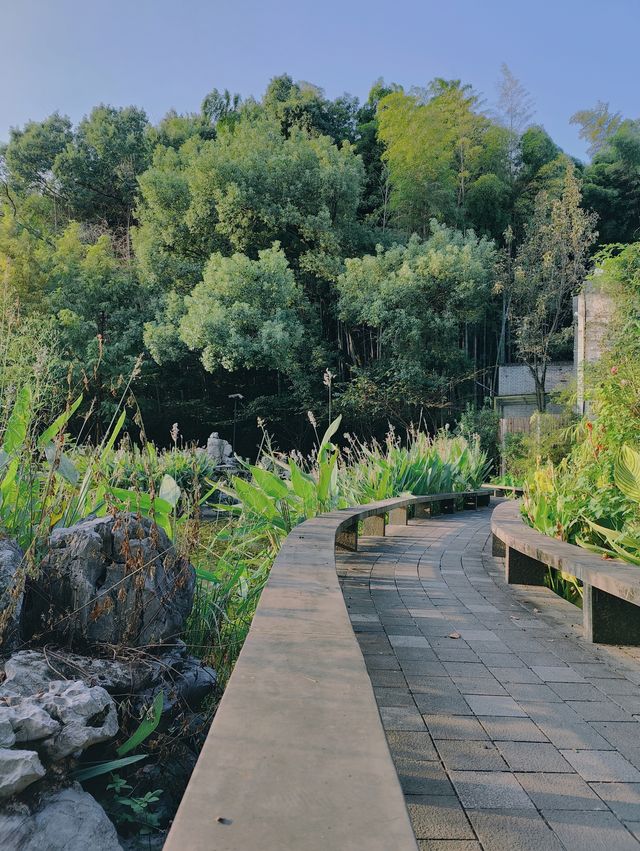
pixel 296 757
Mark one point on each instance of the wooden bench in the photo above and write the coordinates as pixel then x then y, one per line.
pixel 611 588
pixel 503 490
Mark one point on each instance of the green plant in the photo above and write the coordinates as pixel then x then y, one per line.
pixel 482 423
pixel 129 809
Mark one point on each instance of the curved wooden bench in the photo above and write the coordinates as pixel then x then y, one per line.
pixel 611 601
pixel 296 757
pixel 502 490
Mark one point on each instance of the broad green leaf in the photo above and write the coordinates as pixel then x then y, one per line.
pixel 59 423
pixel 18 423
pixel 169 490
pixel 271 484
pixel 331 430
pixel 116 431
pixel 254 500
pixel 106 767
pixel 627 473
pixel 62 464
pixel 146 727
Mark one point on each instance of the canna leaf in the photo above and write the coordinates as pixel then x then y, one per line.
pixel 627 473
pixel 18 423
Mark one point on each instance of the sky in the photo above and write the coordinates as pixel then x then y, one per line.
pixel 69 55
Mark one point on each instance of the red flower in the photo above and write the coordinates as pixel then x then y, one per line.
pixel 589 426
pixel 614 370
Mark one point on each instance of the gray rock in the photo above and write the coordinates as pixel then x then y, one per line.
pixel 59 716
pixel 28 721
pixel 220 450
pixel 111 580
pixel 87 716
pixel 30 671
pixel 7 736
pixel 18 769
pixel 26 673
pixel 66 820
pixel 11 592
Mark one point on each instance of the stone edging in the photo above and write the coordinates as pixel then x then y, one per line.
pixel 611 603
pixel 296 756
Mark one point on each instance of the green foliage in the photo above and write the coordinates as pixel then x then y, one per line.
pixel 128 809
pixel 444 464
pixel 482 424
pixel 122 241
pixel 404 306
pixel 612 182
pixel 591 497
pixel 247 314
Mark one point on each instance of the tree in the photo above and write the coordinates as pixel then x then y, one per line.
pixel 611 184
pixel 304 106
pixel 551 264
pixel 32 151
pixel 248 314
pixel 409 314
pixel 98 170
pixel 597 125
pixel 516 109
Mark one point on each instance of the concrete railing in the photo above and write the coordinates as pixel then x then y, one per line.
pixel 611 588
pixel 296 757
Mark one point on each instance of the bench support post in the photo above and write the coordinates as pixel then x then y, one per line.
pixel 498 548
pixel 374 525
pixel 347 539
pixel 523 570
pixel 398 517
pixel 608 619
pixel 484 499
pixel 447 506
pixel 470 502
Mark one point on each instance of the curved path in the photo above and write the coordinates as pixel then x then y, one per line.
pixel 507 731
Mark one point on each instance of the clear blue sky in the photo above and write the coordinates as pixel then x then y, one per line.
pixel 72 54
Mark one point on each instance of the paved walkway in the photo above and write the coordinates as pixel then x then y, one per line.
pixel 508 732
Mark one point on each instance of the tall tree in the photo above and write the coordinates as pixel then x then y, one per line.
pixel 516 109
pixel 597 125
pixel 551 264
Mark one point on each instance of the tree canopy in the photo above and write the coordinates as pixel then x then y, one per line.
pixel 252 245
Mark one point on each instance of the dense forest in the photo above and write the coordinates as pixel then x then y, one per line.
pixel 263 259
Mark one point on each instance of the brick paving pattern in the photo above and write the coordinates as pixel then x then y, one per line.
pixel 508 732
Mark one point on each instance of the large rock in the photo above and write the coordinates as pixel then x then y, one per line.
pixel 18 769
pixel 66 820
pixel 11 592
pixel 87 717
pixel 111 580
pixel 220 450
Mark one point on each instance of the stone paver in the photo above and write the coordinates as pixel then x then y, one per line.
pixel 507 730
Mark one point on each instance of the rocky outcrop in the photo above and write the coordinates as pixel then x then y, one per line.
pixel 64 820
pixel 111 580
pixel 109 602
pixel 11 592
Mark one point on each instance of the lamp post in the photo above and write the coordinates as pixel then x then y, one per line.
pixel 235 397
